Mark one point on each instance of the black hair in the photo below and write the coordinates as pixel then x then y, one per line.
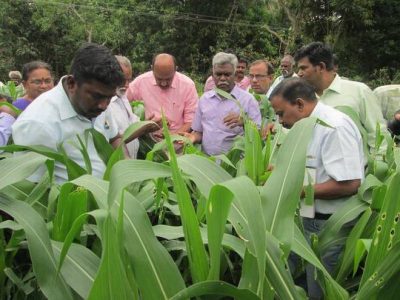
pixel 32 66
pixel 316 52
pixel 96 62
pixel 293 88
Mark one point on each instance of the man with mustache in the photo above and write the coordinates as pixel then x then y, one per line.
pixel 287 70
pixel 241 80
pixel 77 103
pixel 219 120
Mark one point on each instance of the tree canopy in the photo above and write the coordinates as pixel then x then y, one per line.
pixel 193 31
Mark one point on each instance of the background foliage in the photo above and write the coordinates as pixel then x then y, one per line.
pixel 194 30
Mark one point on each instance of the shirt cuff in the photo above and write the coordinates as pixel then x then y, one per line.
pixel 7 118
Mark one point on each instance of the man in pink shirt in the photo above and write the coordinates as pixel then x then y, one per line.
pixel 164 89
pixel 241 80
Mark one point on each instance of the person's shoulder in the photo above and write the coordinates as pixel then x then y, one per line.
pixel 46 106
pixel 144 77
pixel 334 117
pixel 354 85
pixel 242 94
pixel 184 79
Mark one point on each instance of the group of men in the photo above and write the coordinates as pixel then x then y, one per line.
pixel 97 92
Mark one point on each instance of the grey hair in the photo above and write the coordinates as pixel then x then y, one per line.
pixel 290 58
pixel 222 58
pixel 16 74
pixel 123 60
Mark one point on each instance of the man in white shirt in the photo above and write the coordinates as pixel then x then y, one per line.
pixel 335 153
pixel 77 103
pixel 121 109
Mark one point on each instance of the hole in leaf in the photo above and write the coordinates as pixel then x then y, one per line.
pixel 396 218
pixel 373 276
pixel 383 217
pixel 392 232
pixel 379 228
pixel 389 245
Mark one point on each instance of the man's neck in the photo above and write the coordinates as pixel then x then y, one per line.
pixel 326 81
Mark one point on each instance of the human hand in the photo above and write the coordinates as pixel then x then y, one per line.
pixel 269 129
pixel 157 120
pixel 233 120
pixel 8 110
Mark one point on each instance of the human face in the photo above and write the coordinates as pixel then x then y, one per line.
pixel 240 70
pixel 287 112
pixel 309 72
pixel 286 68
pixel 128 78
pixel 164 76
pixel 39 81
pixel 91 98
pixel 224 77
pixel 260 81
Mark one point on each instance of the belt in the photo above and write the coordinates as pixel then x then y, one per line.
pixel 320 216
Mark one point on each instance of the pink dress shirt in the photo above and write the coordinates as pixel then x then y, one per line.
pixel 244 84
pixel 179 101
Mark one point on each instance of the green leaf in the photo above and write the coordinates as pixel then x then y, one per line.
pixel 129 171
pixel 253 156
pixel 196 253
pixel 387 229
pixel 388 267
pixel 362 247
pixel 103 147
pixel 350 210
pixel 79 268
pixel 155 272
pixel 44 264
pixel 300 246
pixel 17 168
pixel 281 193
pixel 350 248
pixel 213 288
pixel 111 280
pixel 218 206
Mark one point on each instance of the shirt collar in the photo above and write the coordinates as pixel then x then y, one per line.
pixel 335 85
pixel 174 81
pixel 235 92
pixel 317 109
pixel 67 110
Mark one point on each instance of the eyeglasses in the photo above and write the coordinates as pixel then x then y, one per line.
pixel 257 76
pixel 40 81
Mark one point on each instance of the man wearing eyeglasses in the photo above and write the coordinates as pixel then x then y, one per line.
pixel 261 75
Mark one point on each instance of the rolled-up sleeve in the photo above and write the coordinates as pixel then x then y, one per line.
pixel 133 92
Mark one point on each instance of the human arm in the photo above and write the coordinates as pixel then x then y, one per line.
pixel 7 118
pixel 191 101
pixel 194 136
pixel 133 91
pixel 332 189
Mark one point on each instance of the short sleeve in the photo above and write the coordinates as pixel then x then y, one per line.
pixel 196 124
pixel 341 154
pixel 253 111
pixel 133 92
pixel 191 102
pixel 6 121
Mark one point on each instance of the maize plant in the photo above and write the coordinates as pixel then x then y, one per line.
pixel 188 227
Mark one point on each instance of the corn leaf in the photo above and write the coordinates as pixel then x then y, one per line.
pixel 387 229
pixel 253 156
pixel 218 206
pixel 281 193
pixel 79 268
pixel 350 210
pixel 111 281
pixel 196 253
pixel 347 260
pixel 155 272
pixel 333 290
pixel 44 264
pixel 18 168
pixel 388 267
pixel 214 288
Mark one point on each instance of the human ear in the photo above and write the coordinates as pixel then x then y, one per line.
pixel 300 104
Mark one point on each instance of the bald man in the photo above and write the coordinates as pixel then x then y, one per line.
pixel 165 89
